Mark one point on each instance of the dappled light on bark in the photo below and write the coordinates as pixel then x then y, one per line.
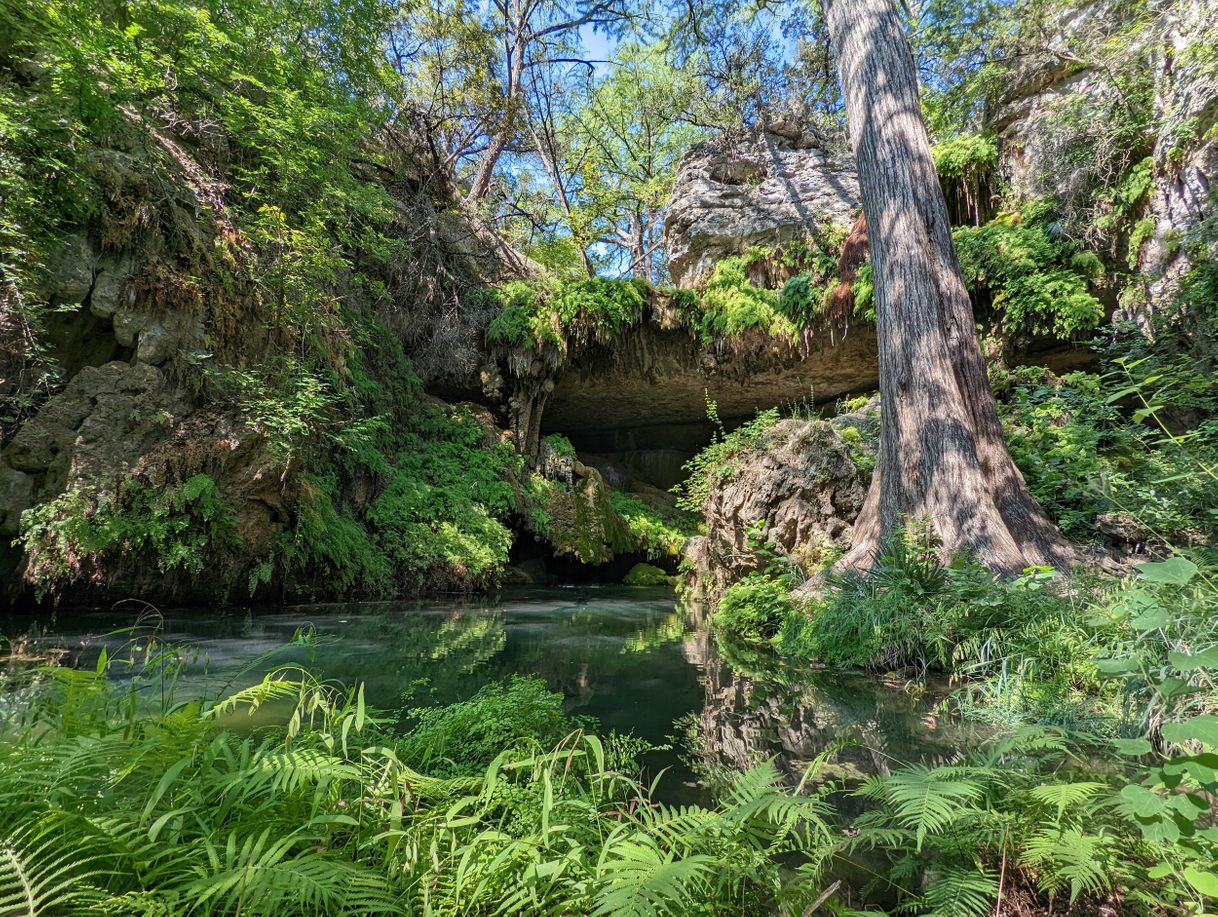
pixel 942 456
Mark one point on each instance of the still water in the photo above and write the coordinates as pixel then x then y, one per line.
pixel 629 657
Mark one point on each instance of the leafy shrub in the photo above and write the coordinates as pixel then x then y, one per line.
pixel 1083 457
pixel 79 532
pixel 1136 826
pixel 560 445
pixel 466 737
pixel 646 575
pixel 754 608
pixel 559 312
pixel 715 462
pixel 732 305
pixel 1035 279
pixel 656 534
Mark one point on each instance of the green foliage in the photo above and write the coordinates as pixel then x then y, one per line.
pixel 1139 825
pixel 863 289
pixel 521 323
pixel 731 305
pixel 754 608
pixel 560 445
pixel 1037 281
pixel 963 154
pixel 117 806
pixel 598 308
pixel 1083 457
pixel 646 575
pixel 715 462
pixel 465 737
pixel 566 312
pixel 911 610
pixel 79 532
pixel 660 536
pixel 328 542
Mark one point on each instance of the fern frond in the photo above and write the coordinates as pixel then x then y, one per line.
pixel 39 875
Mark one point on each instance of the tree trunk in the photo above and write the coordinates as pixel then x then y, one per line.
pixel 942 458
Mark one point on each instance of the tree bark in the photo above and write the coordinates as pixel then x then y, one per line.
pixel 942 457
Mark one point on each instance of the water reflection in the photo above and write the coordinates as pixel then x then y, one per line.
pixel 793 715
pixel 627 657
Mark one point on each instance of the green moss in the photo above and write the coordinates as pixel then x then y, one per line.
pixel 581 522
pixel 1143 230
pixel 656 534
pixel 646 575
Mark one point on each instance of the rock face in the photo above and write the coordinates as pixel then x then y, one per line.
pixel 1055 97
pixel 778 185
pixel 797 488
pixel 1186 147
pixel 648 392
pixel 96 429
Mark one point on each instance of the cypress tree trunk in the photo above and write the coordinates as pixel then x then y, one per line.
pixel 942 457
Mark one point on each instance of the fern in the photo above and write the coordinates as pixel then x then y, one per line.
pixel 39 875
pixel 924 800
pixel 1070 857
pixel 956 892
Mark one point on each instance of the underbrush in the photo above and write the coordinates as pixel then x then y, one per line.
pixel 1098 788
pixel 1100 467
pixel 118 798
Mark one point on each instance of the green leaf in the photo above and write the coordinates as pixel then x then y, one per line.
pixel 1174 571
pixel 1153 619
pixel 1132 747
pixel 1202 728
pixel 1142 802
pixel 1204 882
pixel 1206 659
pixel 1116 666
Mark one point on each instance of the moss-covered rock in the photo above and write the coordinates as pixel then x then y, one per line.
pixel 647 575
pixel 581 521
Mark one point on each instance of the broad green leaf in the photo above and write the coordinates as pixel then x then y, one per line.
pixel 1116 666
pixel 1140 801
pixel 1132 747
pixel 1202 728
pixel 1174 571
pixel 1204 882
pixel 1206 659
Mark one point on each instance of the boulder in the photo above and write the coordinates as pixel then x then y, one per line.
pixel 775 186
pixel 794 493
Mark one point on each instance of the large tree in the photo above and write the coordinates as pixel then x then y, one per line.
pixel 942 456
